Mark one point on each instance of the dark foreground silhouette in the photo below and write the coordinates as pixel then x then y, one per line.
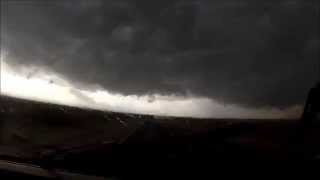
pixel 108 144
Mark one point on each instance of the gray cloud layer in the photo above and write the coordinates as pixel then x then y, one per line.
pixel 235 51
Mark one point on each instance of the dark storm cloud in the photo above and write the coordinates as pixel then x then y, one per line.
pixel 236 51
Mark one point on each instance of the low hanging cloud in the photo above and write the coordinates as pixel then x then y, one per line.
pixel 236 52
pixel 60 92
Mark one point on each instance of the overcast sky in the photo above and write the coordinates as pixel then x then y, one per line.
pixel 250 55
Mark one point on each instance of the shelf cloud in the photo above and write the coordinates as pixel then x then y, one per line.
pixel 236 52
